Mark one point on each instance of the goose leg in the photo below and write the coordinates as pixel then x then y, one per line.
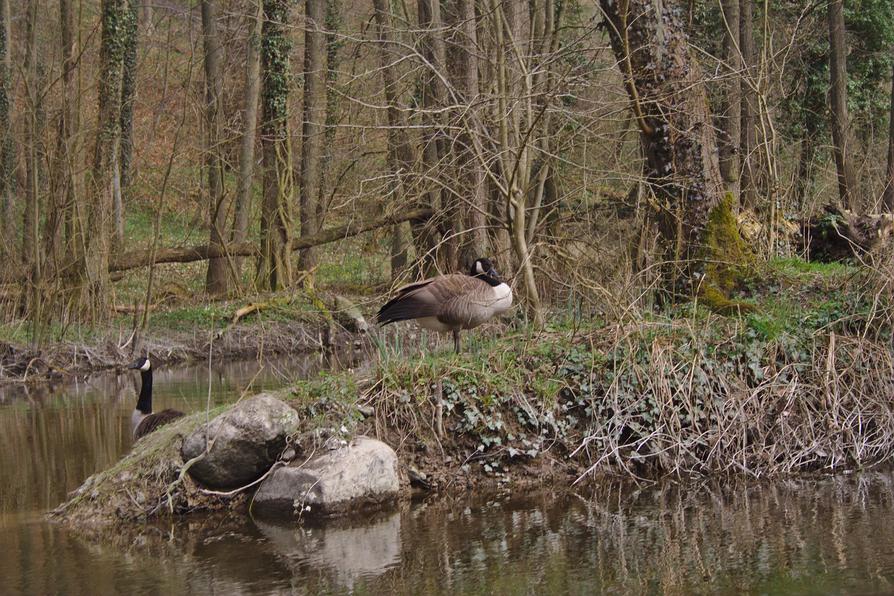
pixel 456 340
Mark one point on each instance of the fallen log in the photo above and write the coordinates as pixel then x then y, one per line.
pixel 135 259
pixel 839 234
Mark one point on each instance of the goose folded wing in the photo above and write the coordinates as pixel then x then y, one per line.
pixel 412 302
pixel 156 420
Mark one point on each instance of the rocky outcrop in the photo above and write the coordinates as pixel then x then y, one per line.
pixel 360 474
pixel 242 443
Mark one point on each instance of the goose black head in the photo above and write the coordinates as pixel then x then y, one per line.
pixel 484 269
pixel 142 364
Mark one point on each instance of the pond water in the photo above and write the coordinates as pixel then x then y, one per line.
pixel 830 535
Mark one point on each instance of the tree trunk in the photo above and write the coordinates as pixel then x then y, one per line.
pixel 216 278
pixel 472 211
pixel 146 6
pixel 731 121
pixel 333 45
pixel 189 254
pixel 748 136
pixel 400 152
pixel 124 164
pixel 517 126
pixel 276 213
pixel 33 160
pixel 888 197
pixel 840 126
pixel 435 157
pixel 68 157
pixel 312 126
pixel 249 130
pixel 7 151
pixel 670 104
pixel 95 244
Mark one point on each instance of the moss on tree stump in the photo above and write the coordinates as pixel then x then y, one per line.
pixel 728 261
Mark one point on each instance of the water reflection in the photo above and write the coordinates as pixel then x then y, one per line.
pixel 825 535
pixel 52 437
pixel 350 549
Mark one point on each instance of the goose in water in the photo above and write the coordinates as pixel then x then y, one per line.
pixel 144 421
pixel 451 302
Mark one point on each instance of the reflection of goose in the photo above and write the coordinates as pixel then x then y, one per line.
pixel 349 551
pixel 143 420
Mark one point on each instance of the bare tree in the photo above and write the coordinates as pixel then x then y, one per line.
pixel 748 153
pixel 252 87
pixel 464 66
pixel 276 212
pixel 838 91
pixel 216 278
pixel 401 154
pixel 312 126
pixel 731 120
pixel 434 139
pixel 517 121
pixel 34 68
pixel 68 155
pixel 95 243
pixel 334 43
pixel 124 163
pixel 888 197
pixel 7 156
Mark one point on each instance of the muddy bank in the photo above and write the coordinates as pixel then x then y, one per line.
pixel 20 364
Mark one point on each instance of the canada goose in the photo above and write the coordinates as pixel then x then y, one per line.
pixel 451 302
pixel 142 419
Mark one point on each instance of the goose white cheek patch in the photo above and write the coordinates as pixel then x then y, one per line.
pixel 146 365
pixel 479 268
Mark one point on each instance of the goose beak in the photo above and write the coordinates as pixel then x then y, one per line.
pixel 134 365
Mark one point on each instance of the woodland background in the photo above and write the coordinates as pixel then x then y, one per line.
pixel 228 148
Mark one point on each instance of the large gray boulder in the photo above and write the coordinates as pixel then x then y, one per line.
pixel 360 475
pixel 243 442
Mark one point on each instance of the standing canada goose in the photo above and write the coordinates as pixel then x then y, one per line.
pixel 451 302
pixel 142 419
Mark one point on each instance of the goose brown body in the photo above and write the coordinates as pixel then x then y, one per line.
pixel 152 422
pixel 451 302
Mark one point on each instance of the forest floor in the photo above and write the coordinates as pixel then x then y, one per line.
pixel 800 385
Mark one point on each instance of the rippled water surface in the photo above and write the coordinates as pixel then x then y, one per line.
pixel 830 535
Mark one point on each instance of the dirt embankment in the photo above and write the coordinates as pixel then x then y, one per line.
pixel 22 364
pixel 279 324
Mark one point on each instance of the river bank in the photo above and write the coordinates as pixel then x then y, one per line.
pixel 812 533
pixel 800 383
pixel 648 402
pixel 228 330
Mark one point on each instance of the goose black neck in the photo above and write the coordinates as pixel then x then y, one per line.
pixel 144 404
pixel 491 280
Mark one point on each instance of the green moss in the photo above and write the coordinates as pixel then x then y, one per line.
pixel 729 263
